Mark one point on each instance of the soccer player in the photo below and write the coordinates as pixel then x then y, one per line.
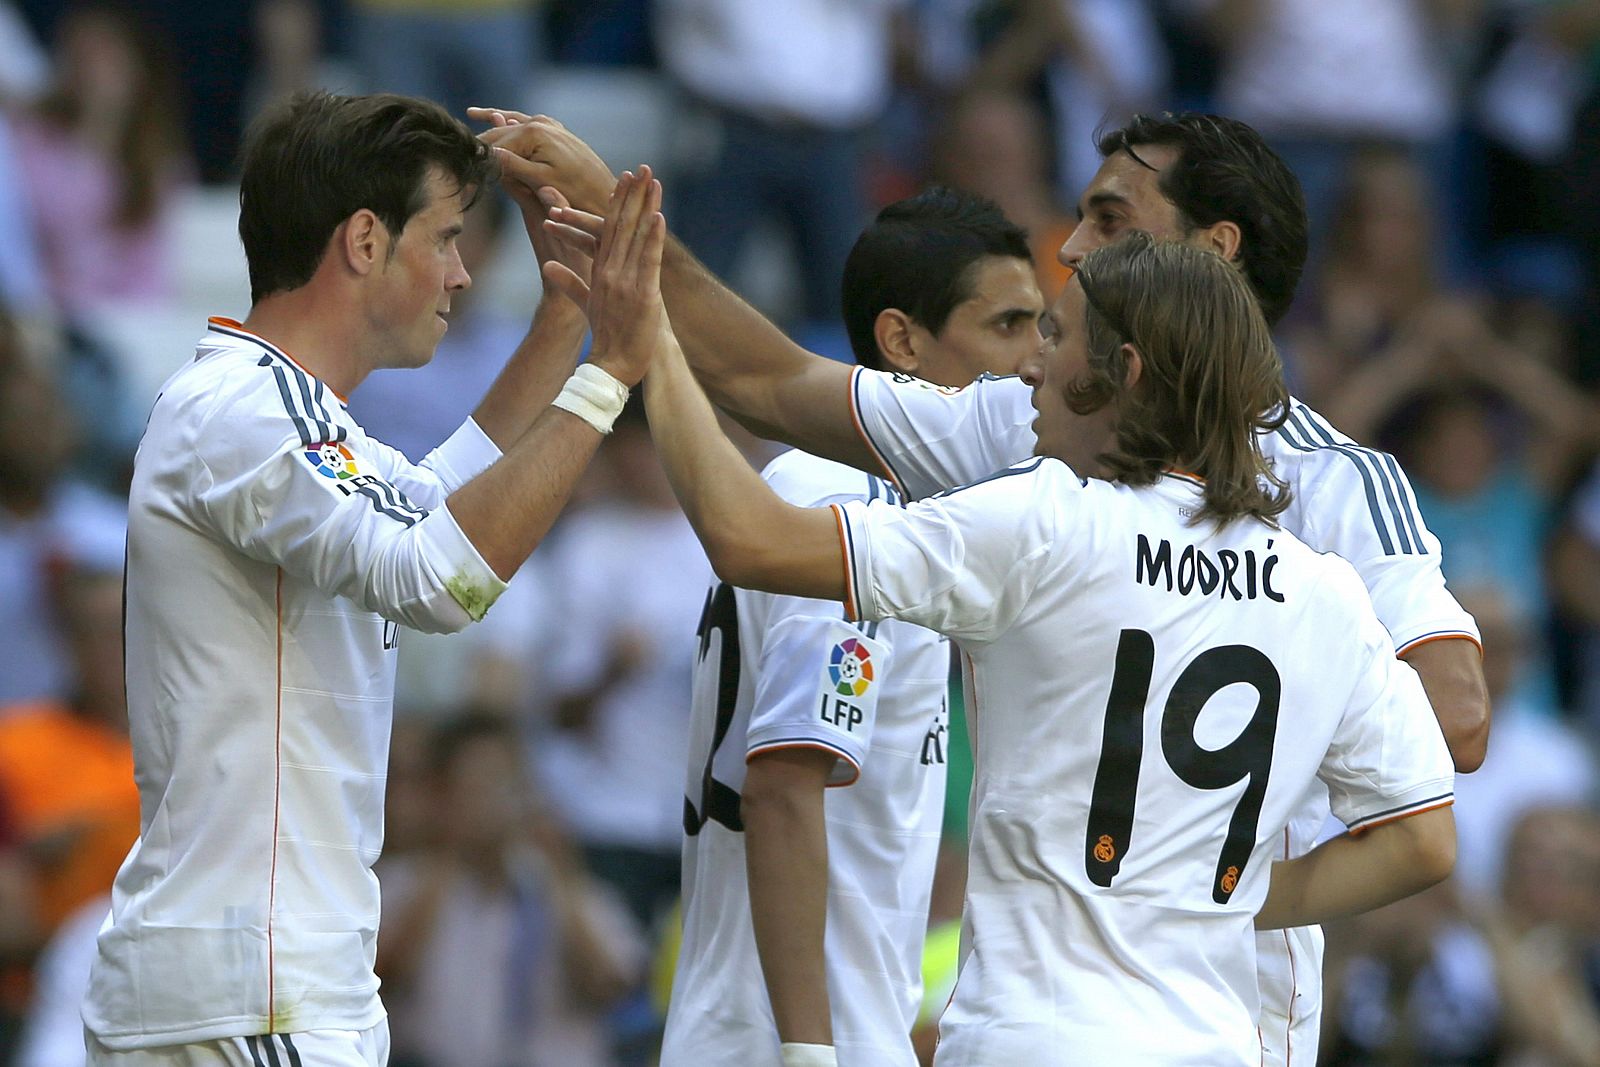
pixel 1140 644
pixel 1204 180
pixel 790 698
pixel 274 552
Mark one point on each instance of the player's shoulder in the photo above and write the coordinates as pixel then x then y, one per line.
pixel 985 388
pixel 811 481
pixel 239 394
pixel 1308 437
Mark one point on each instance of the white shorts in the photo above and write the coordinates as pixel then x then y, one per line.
pixel 310 1048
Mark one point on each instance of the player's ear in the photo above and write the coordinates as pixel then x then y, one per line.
pixel 896 339
pixel 1135 369
pixel 363 240
pixel 1224 238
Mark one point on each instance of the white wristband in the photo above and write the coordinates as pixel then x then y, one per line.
pixel 798 1055
pixel 594 396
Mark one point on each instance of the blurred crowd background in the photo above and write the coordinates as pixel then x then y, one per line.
pixel 1450 153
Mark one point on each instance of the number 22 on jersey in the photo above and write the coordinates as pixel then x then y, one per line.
pixel 1248 757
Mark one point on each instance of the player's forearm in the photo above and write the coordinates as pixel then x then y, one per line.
pixel 535 373
pixel 787 862
pixel 752 537
pixel 1452 676
pixel 507 510
pixel 753 371
pixel 1356 873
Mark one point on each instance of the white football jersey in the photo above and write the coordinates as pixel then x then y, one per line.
pixel 274 550
pixel 1149 701
pixel 776 672
pixel 1349 500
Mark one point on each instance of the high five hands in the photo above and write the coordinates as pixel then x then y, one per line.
pixel 621 297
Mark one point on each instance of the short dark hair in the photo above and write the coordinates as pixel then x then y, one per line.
pixel 318 159
pixel 1225 171
pixel 1212 380
pixel 919 255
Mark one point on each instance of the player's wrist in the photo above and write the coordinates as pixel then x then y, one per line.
pixel 594 395
pixel 797 1054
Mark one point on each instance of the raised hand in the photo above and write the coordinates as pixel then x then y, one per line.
pixel 556 156
pixel 622 295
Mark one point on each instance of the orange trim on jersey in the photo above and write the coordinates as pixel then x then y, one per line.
pixel 1440 637
pixel 1180 472
pixel 861 429
pixel 1402 815
pixel 851 610
pixel 817 746
pixel 277 796
pixel 235 324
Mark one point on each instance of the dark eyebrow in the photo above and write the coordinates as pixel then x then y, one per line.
pixel 453 230
pixel 1013 314
pixel 1100 200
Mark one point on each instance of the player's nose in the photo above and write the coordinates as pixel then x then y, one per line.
pixel 1076 246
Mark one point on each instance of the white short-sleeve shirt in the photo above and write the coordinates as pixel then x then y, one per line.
pixel 776 672
pixel 1150 701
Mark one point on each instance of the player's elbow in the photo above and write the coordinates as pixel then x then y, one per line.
pixel 1466 728
pixel 1432 847
pixel 736 557
pixel 750 552
pixel 1452 677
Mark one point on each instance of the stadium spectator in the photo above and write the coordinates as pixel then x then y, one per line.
pixel 67 767
pixel 1546 937
pixel 47 521
pixel 628 580
pixel 788 93
pixel 1488 433
pixel 1411 983
pixel 499 948
pixel 1377 272
pixel 1574 567
pixel 1528 732
pixel 1097 62
pixel 457 53
pixel 992 144
pixel 101 155
pixel 52 1034
pixel 1318 80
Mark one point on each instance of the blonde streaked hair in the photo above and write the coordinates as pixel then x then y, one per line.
pixel 1211 383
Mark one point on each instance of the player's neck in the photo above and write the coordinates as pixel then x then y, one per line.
pixel 319 338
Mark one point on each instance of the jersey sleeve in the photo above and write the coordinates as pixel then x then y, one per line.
pixel 816 677
pixel 931 437
pixel 463 456
pixel 1388 758
pixel 1358 504
pixel 816 684
pixel 963 564
pixel 324 511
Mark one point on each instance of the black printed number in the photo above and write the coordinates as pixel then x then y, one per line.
pixel 1246 757
pixel 718 800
